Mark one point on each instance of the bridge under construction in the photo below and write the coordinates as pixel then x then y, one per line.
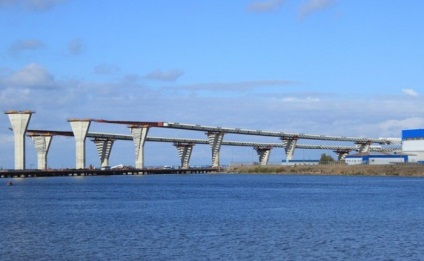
pixel 139 135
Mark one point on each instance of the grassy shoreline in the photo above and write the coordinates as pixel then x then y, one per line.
pixel 408 170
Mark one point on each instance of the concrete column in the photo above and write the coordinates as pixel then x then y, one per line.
pixel 263 153
pixel 364 147
pixel 215 141
pixel 42 145
pixel 184 152
pixel 19 121
pixel 341 154
pixel 104 147
pixel 290 145
pixel 139 136
pixel 80 129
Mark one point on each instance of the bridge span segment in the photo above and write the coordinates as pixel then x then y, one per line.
pixel 216 134
pixel 104 142
pixel 20 119
pixel 282 135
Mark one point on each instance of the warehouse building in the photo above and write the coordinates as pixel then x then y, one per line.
pixel 413 144
pixel 376 158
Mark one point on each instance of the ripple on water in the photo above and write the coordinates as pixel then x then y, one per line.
pixel 223 217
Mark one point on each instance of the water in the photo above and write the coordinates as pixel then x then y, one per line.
pixel 212 217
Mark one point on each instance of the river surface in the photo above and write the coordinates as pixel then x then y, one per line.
pixel 212 217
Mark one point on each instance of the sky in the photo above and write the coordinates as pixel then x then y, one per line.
pixel 329 67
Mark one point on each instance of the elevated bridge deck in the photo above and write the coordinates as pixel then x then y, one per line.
pixel 283 135
pixel 206 142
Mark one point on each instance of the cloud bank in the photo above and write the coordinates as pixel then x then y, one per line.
pixel 236 86
pixel 285 108
pixel 410 92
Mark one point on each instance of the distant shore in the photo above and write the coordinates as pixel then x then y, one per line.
pixel 407 170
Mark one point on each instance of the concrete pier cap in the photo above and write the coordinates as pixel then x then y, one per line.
pixel 77 119
pixel 19 121
pixel 19 112
pixel 80 130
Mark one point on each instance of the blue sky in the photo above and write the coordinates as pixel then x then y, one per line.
pixel 336 67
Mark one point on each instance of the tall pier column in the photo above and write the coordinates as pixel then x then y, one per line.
pixel 184 151
pixel 139 134
pixel 290 145
pixel 104 147
pixel 215 141
pixel 19 121
pixel 80 129
pixel 263 153
pixel 42 145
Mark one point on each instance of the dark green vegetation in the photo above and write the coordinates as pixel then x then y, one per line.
pixel 326 159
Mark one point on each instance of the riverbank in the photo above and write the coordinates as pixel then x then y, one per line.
pixel 414 170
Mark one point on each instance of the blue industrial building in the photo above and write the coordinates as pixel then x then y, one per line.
pixel 376 158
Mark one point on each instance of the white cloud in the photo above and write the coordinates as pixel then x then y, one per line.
pixel 76 47
pixel 236 86
pixel 34 5
pixel 264 6
pixel 312 6
pixel 25 45
pixel 410 92
pixel 169 76
pixel 298 99
pixel 130 78
pixel 392 127
pixel 106 69
pixel 32 76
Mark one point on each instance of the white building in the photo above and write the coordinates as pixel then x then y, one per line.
pixel 299 162
pixel 413 144
pixel 374 158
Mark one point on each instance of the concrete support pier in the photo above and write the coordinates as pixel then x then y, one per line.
pixel 184 152
pixel 263 153
pixel 104 147
pixel 215 141
pixel 139 134
pixel 342 153
pixel 80 129
pixel 19 121
pixel 290 145
pixel 363 147
pixel 42 145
